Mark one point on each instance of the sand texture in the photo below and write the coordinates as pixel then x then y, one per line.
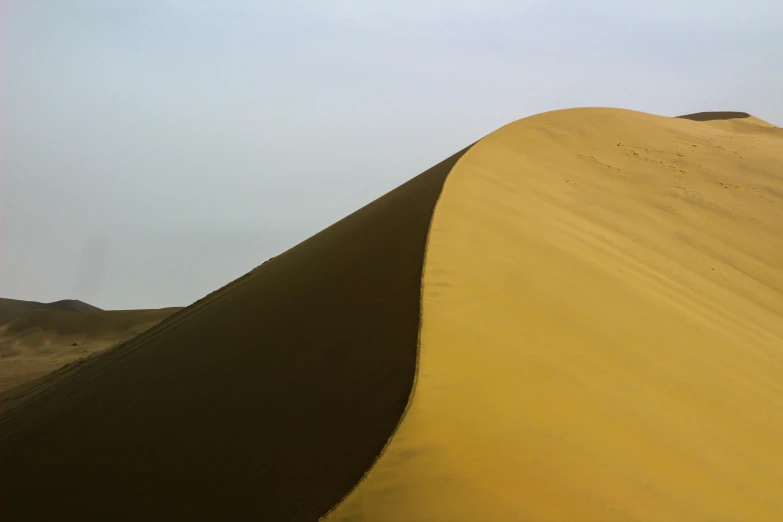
pixel 579 318
pixel 602 330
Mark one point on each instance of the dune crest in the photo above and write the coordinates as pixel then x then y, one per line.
pixel 602 331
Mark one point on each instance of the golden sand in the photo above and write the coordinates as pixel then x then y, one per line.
pixel 602 331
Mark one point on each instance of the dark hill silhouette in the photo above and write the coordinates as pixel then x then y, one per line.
pixel 12 308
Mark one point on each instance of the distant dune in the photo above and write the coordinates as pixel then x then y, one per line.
pixel 37 338
pixel 13 308
pixel 578 318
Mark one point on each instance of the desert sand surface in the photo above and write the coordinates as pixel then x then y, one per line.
pixel 578 318
pixel 38 338
pixel 602 329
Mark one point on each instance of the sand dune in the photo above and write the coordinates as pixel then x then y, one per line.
pixel 587 327
pixel 37 338
pixel 630 365
pixel 12 308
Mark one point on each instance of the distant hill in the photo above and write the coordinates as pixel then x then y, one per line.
pixel 36 338
pixel 12 308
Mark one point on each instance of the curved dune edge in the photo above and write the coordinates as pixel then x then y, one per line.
pixel 412 392
pixel 267 400
pixel 602 330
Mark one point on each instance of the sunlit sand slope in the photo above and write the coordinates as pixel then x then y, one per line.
pixel 602 330
pixel 267 400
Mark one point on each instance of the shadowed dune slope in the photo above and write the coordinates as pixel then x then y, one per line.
pixel 741 123
pixel 602 330
pixel 267 400
pixel 713 116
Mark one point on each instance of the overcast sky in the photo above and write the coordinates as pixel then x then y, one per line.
pixel 153 151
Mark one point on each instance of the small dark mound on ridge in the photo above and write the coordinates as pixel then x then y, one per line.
pixel 712 116
pixel 73 305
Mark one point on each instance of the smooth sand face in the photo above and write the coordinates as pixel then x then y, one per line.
pixel 602 331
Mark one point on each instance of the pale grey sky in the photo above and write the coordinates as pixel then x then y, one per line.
pixel 152 151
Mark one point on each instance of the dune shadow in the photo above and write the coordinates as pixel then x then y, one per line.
pixel 713 116
pixel 269 399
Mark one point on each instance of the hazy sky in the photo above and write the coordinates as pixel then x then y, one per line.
pixel 152 151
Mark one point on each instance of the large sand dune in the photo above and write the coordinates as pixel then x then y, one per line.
pixel 602 330
pixel 588 327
